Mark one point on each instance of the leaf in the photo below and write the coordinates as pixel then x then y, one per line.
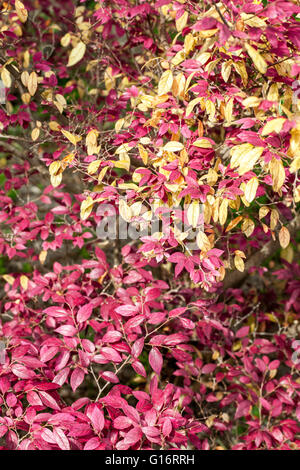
pixel 84 313
pixel 193 213
pixel 223 211
pixel 245 157
pixel 86 208
pixel 93 167
pixel 251 102
pixel 251 188
pixel 125 210
pixel 181 22
pixel 274 125
pixel 173 146
pixel 76 54
pixel 127 310
pixel 295 165
pixel 21 11
pixel 263 211
pixel 234 223
pixel 239 263
pixel 32 83
pixel 71 137
pixel 35 133
pixel 203 143
pixel 61 439
pixel 203 241
pixel 228 111
pixel 165 83
pixel 191 105
pixel 143 154
pixel 284 237
pixel 155 360
pixel 5 77
pixel 247 227
pixel 226 70
pixel 277 172
pixel 257 59
pixel 24 282
pixel 76 378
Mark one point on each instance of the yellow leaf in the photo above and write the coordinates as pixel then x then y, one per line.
pixel 35 134
pixel 274 219
pixel 240 253
pixel 143 154
pixel 233 223
pixel 257 59
pixel 228 111
pixel 275 125
pixel 9 279
pixel 86 208
pixel 32 83
pixel 251 188
pixel 247 227
pixel 202 143
pixel 239 263
pixel 263 211
pixel 181 22
pixel 102 174
pixel 191 105
pixel 284 237
pixel 43 256
pixel 178 87
pixel 165 82
pixel 71 137
pixel 24 282
pixel 122 164
pixel 193 213
pixel 119 124
pixel 295 165
pixel 203 241
pixel 56 180
pixel 25 78
pixel 226 70
pixel 93 167
pixel 173 146
pixel 125 210
pixel 189 43
pixel 54 126
pixel 251 102
pixel 277 173
pixel 76 54
pixel 245 157
pixel 5 77
pixel 210 109
pixel 55 168
pixel 242 71
pixel 21 11
pixel 65 40
pixel 223 211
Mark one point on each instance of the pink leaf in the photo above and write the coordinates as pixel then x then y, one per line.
pixel 155 360
pixel 66 330
pixel 84 313
pixel 61 439
pixel 127 310
pixel 76 378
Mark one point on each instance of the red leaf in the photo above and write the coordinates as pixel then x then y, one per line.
pixel 61 439
pixel 155 360
pixel 76 378
pixel 127 310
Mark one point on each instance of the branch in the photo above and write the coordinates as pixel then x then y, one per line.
pixel 234 278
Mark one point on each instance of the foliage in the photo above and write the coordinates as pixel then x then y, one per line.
pixel 147 344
